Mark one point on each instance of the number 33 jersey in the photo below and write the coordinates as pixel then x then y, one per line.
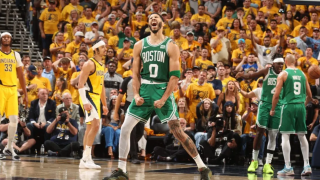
pixel 155 61
pixel 8 64
pixel 294 88
pixel 269 87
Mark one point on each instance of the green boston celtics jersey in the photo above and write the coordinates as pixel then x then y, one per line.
pixel 269 87
pixel 294 88
pixel 155 61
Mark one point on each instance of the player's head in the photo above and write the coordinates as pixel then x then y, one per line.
pixel 155 23
pixel 278 65
pixel 99 48
pixel 290 60
pixel 6 39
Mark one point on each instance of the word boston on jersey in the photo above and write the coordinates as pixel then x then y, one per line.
pixel 306 2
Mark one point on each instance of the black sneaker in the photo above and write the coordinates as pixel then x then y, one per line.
pixel 205 173
pixel 117 175
pixel 135 161
pixel 2 156
pixel 8 152
pixel 51 153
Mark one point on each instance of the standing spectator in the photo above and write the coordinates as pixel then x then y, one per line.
pixel 66 69
pixel 249 62
pixel 48 71
pixel 190 45
pixel 200 17
pixel 213 8
pixel 26 61
pixel 62 88
pixel 111 130
pixel 94 34
pixel 64 134
pixel 74 46
pixel 33 84
pixel 300 43
pixel 186 26
pixel 45 81
pixel 49 19
pixel 313 42
pixel 41 114
pixel 88 3
pixel 304 21
pixel 269 9
pixel 202 62
pixel 240 53
pixel 177 38
pixel 72 109
pixel 227 21
pixel 73 5
pixel 216 83
pixel 57 46
pixel 112 80
pixel 199 91
pixel 293 49
pixel 127 33
pixel 314 23
pixel 124 54
pixel 109 26
pixel 304 63
pixel 221 47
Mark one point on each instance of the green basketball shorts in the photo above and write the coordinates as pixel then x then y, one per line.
pixel 151 93
pixel 264 120
pixel 293 119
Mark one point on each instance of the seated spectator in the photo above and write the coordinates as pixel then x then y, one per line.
pixel 232 120
pixel 73 47
pixel 186 114
pixel 174 149
pixel 315 133
pixel 64 136
pixel 231 94
pixel 41 114
pixel 45 81
pixel 111 130
pixel 124 54
pixel 205 109
pixel 66 69
pixel 222 143
pixel 72 109
pixel 202 62
pixel 94 34
pixel 61 85
pixel 216 83
pixel 57 46
pixel 249 132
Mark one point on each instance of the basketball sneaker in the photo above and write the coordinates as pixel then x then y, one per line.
pixel 253 166
pixel 286 172
pixel 205 173
pixel 268 169
pixel 306 171
pixel 252 176
pixel 117 174
pixel 88 164
pixel 2 156
pixel 10 152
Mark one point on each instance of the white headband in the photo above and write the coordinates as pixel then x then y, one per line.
pixel 277 60
pixel 5 33
pixel 100 43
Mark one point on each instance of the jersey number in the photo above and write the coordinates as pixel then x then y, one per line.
pixel 8 67
pixel 273 90
pixel 153 69
pixel 297 88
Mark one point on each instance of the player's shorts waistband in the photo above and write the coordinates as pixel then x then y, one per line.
pixel 144 81
pixel 1 84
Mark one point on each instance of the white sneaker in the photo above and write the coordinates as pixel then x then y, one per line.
pixel 2 156
pixel 286 172
pixel 88 164
pixel 82 164
pixel 90 161
pixel 10 152
pixel 306 171
pixel 260 162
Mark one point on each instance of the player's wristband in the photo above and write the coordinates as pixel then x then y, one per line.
pixel 174 73
pixel 82 93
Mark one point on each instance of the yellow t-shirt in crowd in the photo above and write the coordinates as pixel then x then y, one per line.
pixel 201 19
pixel 195 93
pixel 87 22
pixel 250 120
pixel 58 92
pixel 304 67
pixel 225 82
pixel 271 11
pixel 46 83
pixel 126 54
pixel 73 90
pixel 203 64
pixel 290 51
pixel 113 42
pixel 186 46
pixel 65 73
pixel 73 48
pixel 237 53
pixel 68 8
pixel 127 74
pixel 33 93
pixel 225 22
pixel 55 45
pixel 180 41
pixel 188 117
pixel 50 20
pixel 310 27
pixel 136 26
pixel 296 30
pixel 107 31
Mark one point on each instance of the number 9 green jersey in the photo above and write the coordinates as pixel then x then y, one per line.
pixel 155 61
pixel 294 88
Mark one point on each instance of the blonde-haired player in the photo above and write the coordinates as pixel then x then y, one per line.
pixel 91 91
pixel 10 69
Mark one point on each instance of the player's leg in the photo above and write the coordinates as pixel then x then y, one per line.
pixel 11 112
pixel 301 130
pixel 287 123
pixel 2 109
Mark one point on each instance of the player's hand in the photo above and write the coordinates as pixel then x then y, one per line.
pixel 87 107
pixel 239 75
pixel 314 101
pixel 106 110
pixel 158 104
pixel 310 126
pixel 43 35
pixel 139 100
pixel 272 113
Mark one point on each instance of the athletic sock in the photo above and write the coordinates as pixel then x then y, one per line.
pixel 269 158
pixel 306 163
pixel 199 162
pixel 304 148
pixel 87 153
pixel 255 154
pixel 286 148
pixel 123 165
pixel 288 165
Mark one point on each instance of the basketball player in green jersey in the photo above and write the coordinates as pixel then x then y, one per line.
pixel 264 120
pixel 295 87
pixel 153 91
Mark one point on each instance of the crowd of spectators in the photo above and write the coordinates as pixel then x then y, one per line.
pixel 217 39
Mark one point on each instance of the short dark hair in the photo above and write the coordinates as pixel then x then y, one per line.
pixel 273 20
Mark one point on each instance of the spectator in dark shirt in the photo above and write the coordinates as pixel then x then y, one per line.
pixel 112 80
pixel 216 83
pixel 64 136
pixel 315 132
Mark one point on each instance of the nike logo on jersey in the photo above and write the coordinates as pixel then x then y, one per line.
pixel 164 88
pixel 145 47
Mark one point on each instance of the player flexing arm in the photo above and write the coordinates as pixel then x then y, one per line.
pixel 136 81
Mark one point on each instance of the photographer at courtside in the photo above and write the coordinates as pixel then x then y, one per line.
pixel 64 134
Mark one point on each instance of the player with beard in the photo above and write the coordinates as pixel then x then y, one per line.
pixel 264 120
pixel 10 69
pixel 159 56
